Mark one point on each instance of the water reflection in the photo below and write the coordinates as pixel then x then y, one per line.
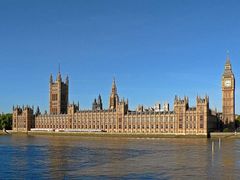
pixel 225 159
pixel 32 157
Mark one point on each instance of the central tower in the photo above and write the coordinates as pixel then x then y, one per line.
pixel 114 99
pixel 58 95
pixel 228 94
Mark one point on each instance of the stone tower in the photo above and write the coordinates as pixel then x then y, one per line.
pixel 228 94
pixel 23 118
pixel 180 108
pixel 58 95
pixel 114 99
pixel 202 109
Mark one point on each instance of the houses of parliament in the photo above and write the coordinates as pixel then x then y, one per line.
pixel 182 120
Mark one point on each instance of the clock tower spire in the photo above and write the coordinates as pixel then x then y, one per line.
pixel 228 94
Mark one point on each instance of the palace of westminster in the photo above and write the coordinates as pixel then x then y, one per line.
pixel 183 120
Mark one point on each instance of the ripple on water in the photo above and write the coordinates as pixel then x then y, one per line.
pixel 32 157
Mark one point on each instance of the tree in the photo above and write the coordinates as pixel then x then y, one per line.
pixel 6 121
pixel 237 122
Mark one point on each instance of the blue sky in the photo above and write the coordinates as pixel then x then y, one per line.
pixel 154 49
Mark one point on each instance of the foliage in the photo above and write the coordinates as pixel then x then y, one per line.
pixel 226 130
pixel 237 121
pixel 230 127
pixel 6 121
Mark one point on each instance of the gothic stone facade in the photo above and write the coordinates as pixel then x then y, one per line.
pixel 58 95
pixel 23 118
pixel 183 120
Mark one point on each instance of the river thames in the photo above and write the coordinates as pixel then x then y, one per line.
pixel 67 157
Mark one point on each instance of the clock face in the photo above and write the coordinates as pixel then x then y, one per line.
pixel 227 83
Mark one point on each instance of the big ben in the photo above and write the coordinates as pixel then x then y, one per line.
pixel 228 94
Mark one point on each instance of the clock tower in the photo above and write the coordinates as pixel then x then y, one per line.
pixel 228 94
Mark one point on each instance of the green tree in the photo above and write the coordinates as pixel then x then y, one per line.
pixel 6 121
pixel 237 121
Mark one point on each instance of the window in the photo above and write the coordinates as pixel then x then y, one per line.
pixel 201 121
pixel 54 97
pixel 180 122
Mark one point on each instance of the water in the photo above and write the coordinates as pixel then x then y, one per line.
pixel 45 157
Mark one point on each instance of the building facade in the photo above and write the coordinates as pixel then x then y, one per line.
pixel 183 120
pixel 58 95
pixel 228 94
pixel 23 118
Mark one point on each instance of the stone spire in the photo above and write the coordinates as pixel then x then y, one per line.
pixel 100 104
pixel 228 66
pixel 59 78
pixel 114 87
pixel 94 105
pixel 114 99
pixel 51 79
pixel 67 80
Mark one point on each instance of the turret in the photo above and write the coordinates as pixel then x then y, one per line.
pixel 67 80
pixel 94 105
pixel 97 104
pixel 204 100
pixel 100 105
pixel 51 79
pixel 72 108
pixel 38 112
pixel 122 107
pixel 183 103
